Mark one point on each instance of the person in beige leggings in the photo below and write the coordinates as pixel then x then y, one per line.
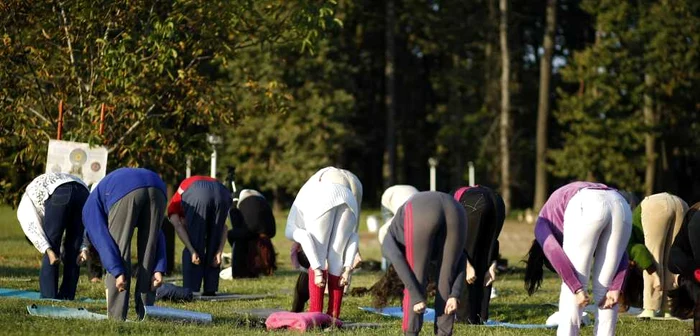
pixel 661 216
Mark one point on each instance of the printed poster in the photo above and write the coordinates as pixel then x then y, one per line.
pixel 77 158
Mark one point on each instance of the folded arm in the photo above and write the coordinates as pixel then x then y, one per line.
pixel 301 236
pixel 555 254
pixel 161 257
pixel 351 249
pixel 458 285
pixel 398 260
pixel 179 225
pixel 680 260
pixel 31 224
pixel 95 221
pixel 621 273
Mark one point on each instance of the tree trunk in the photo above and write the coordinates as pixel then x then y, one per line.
pixel 457 146
pixel 505 106
pixel 389 169
pixel 650 138
pixel 491 94
pixel 543 107
pixel 277 205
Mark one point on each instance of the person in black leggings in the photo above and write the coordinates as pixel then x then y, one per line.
pixel 485 216
pixel 252 228
pixel 430 226
pixel 684 260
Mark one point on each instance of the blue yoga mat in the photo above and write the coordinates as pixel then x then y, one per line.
pixel 429 316
pixel 64 312
pixel 22 294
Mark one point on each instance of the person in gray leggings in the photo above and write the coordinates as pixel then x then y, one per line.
pixel 429 227
pixel 126 199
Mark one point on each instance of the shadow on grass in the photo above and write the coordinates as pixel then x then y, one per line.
pixel 521 312
pixel 242 320
pixel 10 271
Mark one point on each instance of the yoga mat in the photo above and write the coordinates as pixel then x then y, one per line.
pixel 661 318
pixel 492 323
pixel 429 316
pixel 230 297
pixel 179 315
pixel 593 309
pixel 64 312
pixel 22 294
pixel 362 325
pixel 264 313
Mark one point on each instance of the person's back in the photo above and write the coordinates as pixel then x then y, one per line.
pixel 126 199
pixel 583 223
pixel 430 226
pixel 485 216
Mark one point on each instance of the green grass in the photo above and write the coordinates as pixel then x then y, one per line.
pixel 19 268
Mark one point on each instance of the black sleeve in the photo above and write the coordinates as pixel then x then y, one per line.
pixel 680 260
pixel 458 285
pixel 495 249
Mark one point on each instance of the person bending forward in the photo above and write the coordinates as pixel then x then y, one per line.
pixel 198 213
pixel 50 207
pixel 584 225
pixel 126 199
pixel 430 226
pixel 323 220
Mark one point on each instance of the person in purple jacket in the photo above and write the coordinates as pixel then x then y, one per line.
pixel 126 199
pixel 583 225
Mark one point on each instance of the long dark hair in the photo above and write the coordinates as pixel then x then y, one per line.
pixel 534 271
pixel 263 257
pixel 682 299
pixel 633 289
pixel 390 287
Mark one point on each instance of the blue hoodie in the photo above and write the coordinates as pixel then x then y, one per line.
pixel 109 191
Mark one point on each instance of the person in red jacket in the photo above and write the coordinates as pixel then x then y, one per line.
pixel 198 213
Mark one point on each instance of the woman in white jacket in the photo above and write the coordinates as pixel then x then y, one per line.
pixel 323 220
pixel 51 206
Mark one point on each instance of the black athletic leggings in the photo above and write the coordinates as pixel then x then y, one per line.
pixel 485 216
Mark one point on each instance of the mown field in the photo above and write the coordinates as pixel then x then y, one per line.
pixel 20 262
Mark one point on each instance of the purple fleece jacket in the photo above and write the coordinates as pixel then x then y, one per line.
pixel 549 233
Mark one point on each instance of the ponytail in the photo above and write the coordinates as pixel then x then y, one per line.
pixel 633 287
pixel 262 256
pixel 534 270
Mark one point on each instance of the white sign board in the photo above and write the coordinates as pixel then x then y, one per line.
pixel 77 158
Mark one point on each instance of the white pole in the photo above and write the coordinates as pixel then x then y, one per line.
pixel 433 163
pixel 213 162
pixel 471 174
pixel 188 170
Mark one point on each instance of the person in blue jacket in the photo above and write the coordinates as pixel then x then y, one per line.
pixel 126 199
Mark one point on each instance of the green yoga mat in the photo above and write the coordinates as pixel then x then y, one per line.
pixel 22 294
pixel 64 312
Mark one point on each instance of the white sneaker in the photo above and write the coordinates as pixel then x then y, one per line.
pixel 647 313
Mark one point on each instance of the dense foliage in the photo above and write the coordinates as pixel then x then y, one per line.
pixel 295 85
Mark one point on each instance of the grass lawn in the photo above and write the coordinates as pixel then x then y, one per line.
pixel 20 262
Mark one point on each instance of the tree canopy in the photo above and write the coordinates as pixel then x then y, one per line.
pixel 292 86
